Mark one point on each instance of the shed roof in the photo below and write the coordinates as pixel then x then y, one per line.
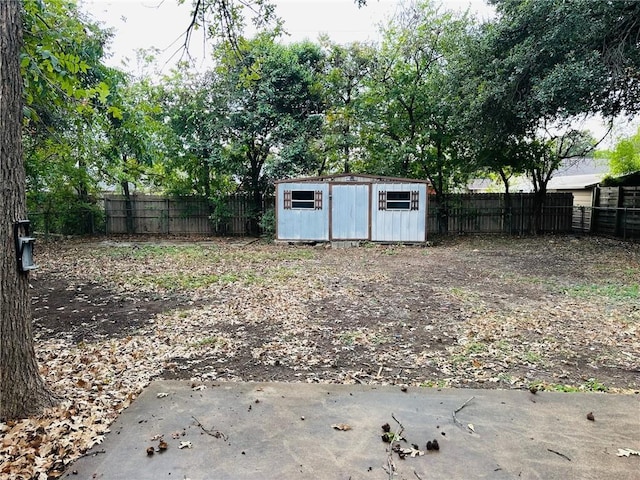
pixel 353 177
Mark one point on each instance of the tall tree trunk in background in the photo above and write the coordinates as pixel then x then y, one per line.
pixel 128 203
pixel 508 204
pixel 128 207
pixel 22 389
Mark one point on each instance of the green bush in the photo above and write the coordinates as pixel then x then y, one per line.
pixel 268 223
pixel 65 215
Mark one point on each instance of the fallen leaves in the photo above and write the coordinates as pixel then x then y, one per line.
pixel 341 426
pixel 625 452
pixel 407 452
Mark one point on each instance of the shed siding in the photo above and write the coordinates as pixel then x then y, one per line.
pixel 399 225
pixel 303 224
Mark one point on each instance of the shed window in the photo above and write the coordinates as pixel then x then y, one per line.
pixel 303 199
pixel 399 200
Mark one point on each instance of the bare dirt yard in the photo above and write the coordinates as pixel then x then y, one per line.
pixel 554 313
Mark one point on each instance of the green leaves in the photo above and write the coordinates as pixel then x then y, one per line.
pixel 625 156
pixel 571 57
pixel 412 104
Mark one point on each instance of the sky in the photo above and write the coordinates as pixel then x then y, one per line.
pixel 160 23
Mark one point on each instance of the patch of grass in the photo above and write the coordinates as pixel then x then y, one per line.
pixel 553 387
pixel 591 385
pixel 532 357
pixel 191 281
pixel 264 256
pixel 612 292
pixel 150 252
pixel 476 347
pixel 210 341
pixel 350 338
pixel 183 280
pixel 464 295
pixel 434 384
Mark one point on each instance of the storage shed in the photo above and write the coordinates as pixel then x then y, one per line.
pixel 351 207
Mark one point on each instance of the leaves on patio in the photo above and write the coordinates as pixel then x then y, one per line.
pixel 625 452
pixel 341 426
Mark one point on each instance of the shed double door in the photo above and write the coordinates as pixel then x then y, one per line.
pixel 350 212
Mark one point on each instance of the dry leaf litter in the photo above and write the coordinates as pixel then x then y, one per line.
pixel 560 313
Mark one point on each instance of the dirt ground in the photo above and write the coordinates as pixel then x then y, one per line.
pixel 557 313
pixel 110 315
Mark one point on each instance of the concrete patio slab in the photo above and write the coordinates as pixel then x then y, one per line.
pixel 284 431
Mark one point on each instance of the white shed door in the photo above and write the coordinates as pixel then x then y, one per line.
pixel 350 212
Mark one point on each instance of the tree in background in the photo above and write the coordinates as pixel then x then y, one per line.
pixel 194 107
pixel 412 125
pixel 624 159
pixel 273 111
pixel 344 81
pixel 132 137
pixel 66 87
pixel 533 72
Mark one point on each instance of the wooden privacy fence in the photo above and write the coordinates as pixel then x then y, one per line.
pixel 491 213
pixel 152 214
pixel 616 212
pixel 465 213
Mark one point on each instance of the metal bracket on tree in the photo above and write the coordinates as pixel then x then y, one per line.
pixel 24 246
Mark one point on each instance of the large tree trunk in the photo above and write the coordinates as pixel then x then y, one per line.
pixel 22 390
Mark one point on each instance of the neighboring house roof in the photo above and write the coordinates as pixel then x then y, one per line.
pixel 582 166
pixel 573 174
pixel 575 182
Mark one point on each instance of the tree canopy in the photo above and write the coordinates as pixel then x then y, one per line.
pixel 441 97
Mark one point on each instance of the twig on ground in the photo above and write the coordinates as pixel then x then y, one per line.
pixel 416 474
pixel 397 436
pixel 390 468
pixel 558 453
pixel 455 419
pixel 214 433
pixel 92 454
pixel 398 422
pixel 246 244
